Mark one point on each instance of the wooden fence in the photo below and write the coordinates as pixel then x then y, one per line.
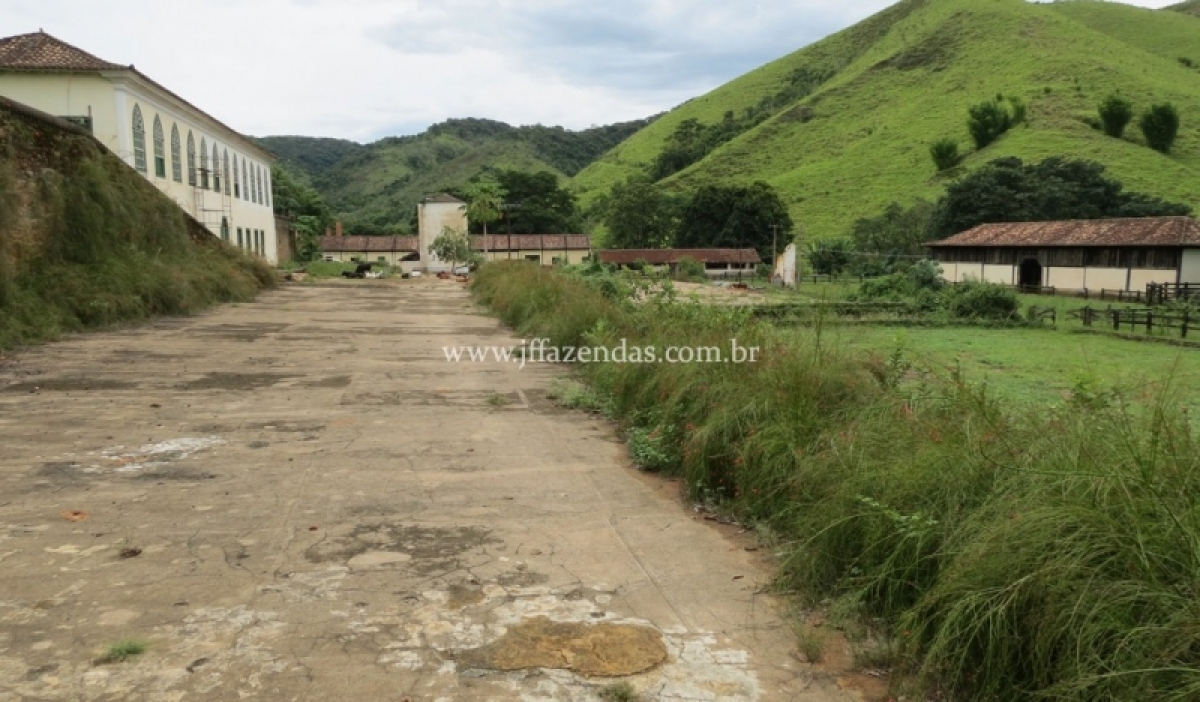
pixel 1131 319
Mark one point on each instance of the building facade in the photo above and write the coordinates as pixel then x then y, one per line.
pixel 1102 254
pixel 435 215
pixel 404 251
pixel 215 174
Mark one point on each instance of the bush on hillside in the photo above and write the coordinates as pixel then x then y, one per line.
pixel 945 154
pixel 974 299
pixel 1115 114
pixel 988 121
pixel 1160 126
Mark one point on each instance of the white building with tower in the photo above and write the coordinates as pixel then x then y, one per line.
pixel 215 174
pixel 435 215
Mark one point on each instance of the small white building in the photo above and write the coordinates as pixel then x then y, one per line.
pixel 436 214
pixel 217 175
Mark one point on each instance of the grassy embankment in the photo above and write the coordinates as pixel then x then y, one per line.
pixel 85 242
pixel 1007 552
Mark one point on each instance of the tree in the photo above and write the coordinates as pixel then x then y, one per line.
pixel 453 246
pixel 1008 190
pixel 1115 114
pixel 829 257
pixel 945 154
pixel 639 216
pixel 1160 126
pixel 545 207
pixel 295 200
pixel 721 216
pixel 485 197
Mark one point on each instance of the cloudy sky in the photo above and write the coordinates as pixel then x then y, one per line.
pixel 363 69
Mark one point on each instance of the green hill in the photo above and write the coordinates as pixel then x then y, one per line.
pixel 849 120
pixel 313 156
pixel 378 185
pixel 1191 7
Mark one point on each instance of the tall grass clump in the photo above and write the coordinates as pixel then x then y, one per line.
pixel 85 243
pixel 1013 552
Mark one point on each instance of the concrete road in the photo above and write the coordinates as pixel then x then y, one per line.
pixel 300 499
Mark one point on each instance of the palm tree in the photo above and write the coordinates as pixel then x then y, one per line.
pixel 485 199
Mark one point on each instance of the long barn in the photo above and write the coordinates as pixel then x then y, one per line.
pixel 1099 254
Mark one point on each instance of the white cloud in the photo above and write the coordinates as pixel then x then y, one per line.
pixel 362 69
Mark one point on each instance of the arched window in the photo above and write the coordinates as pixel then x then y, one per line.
pixel 225 169
pixel 253 184
pixel 237 180
pixel 204 163
pixel 160 154
pixel 176 156
pixel 216 168
pixel 267 180
pixel 139 140
pixel 245 181
pixel 225 229
pixel 191 164
pixel 262 196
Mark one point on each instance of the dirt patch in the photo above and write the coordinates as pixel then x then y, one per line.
pixel 68 384
pixel 425 543
pixel 599 650
pixel 433 399
pixel 234 381
pixel 334 381
pixel 240 332
pixel 464 595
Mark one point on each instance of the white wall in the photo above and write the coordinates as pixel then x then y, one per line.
pixel 432 218
pixel 112 98
pixel 1190 272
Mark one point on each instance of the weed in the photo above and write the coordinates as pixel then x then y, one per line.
pixel 620 692
pixel 122 651
pixel 498 400
pixel 811 642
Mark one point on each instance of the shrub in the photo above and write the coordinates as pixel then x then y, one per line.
pixel 1160 126
pixel 989 120
pixel 1115 114
pixel 981 300
pixel 945 154
pixel 690 269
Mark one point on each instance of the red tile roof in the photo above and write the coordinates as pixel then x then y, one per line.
pixel 660 257
pixel 1146 231
pixel 533 242
pixel 40 51
pixel 372 244
pixel 496 242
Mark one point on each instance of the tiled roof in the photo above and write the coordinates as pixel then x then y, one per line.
pixel 533 242
pixel 496 242
pixel 40 51
pixel 660 257
pixel 1146 231
pixel 371 244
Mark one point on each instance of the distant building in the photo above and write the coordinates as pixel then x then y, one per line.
pixel 718 263
pixel 405 251
pixel 435 215
pixel 568 249
pixel 220 177
pixel 1099 254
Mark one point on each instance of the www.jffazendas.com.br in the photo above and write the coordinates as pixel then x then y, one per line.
pixel 540 351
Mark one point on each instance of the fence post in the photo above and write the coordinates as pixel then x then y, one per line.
pixel 1149 321
pixel 1184 327
pixel 1116 319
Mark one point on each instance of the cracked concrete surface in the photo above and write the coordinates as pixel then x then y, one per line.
pixel 300 499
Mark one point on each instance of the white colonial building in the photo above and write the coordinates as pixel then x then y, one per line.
pixel 220 177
